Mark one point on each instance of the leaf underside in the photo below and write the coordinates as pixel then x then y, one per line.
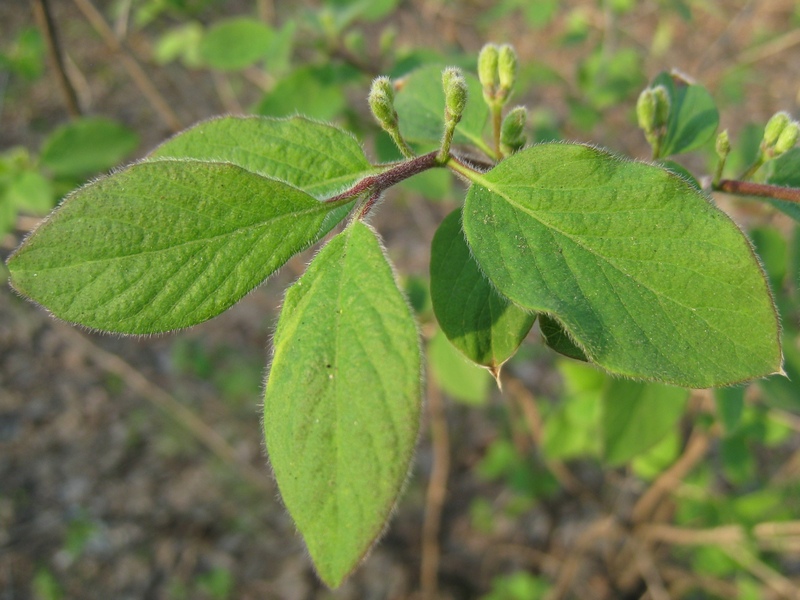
pixel 647 276
pixel 342 402
pixel 477 320
pixel 164 245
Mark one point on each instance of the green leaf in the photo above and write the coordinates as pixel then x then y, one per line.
pixel 461 379
pixel 316 91
pixel 420 107
pixel 318 158
pixel 693 116
pixel 483 325
pixel 164 244
pixel 554 336
pixel 342 403
pixel 647 276
pixel 87 146
pixel 236 43
pixel 636 416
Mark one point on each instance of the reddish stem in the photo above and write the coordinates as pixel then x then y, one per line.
pixel 763 190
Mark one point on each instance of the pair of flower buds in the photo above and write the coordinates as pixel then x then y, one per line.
pixel 497 71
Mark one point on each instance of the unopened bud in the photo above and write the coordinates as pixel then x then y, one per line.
pixel 788 138
pixel 662 106
pixel 512 133
pixel 381 102
pixel 646 107
pixel 723 145
pixel 775 127
pixel 487 68
pixel 507 68
pixel 455 93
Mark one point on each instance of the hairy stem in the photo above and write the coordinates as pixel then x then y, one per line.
pixel 762 190
pixel 376 184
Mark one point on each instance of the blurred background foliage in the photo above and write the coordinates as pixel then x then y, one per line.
pixel 568 484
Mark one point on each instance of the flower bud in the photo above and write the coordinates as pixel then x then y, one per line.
pixel 455 93
pixel 381 102
pixel 723 145
pixel 507 68
pixel 512 133
pixel 646 108
pixel 775 127
pixel 662 106
pixel 487 68
pixel 788 138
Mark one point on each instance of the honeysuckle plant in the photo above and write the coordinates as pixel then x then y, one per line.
pixel 626 264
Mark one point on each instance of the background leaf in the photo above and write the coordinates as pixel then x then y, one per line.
pixel 693 116
pixel 643 272
pixel 342 403
pixel 636 416
pixel 463 380
pixel 87 146
pixel 164 245
pixel 483 325
pixel 236 43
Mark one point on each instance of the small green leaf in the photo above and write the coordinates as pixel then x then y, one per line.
pixel 637 415
pixel 342 403
pixel 693 116
pixel 647 276
pixel 420 106
pixel 164 244
pixel 318 158
pixel 461 379
pixel 483 325
pixel 87 146
pixel 236 43
pixel 558 339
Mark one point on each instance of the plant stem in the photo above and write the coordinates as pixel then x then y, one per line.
pixel 497 124
pixel 762 190
pixel 376 184
pixel 751 170
pixel 464 169
pixel 44 20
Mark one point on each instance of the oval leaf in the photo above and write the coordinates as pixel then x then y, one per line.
pixel 164 244
pixel 456 376
pixel 637 415
pixel 342 403
pixel 647 276
pixel 477 320
pixel 420 106
pixel 319 159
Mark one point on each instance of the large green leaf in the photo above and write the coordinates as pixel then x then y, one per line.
pixel 420 106
pixel 636 416
pixel 164 244
pixel 342 403
pixel 318 158
pixel 647 276
pixel 693 116
pixel 483 325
